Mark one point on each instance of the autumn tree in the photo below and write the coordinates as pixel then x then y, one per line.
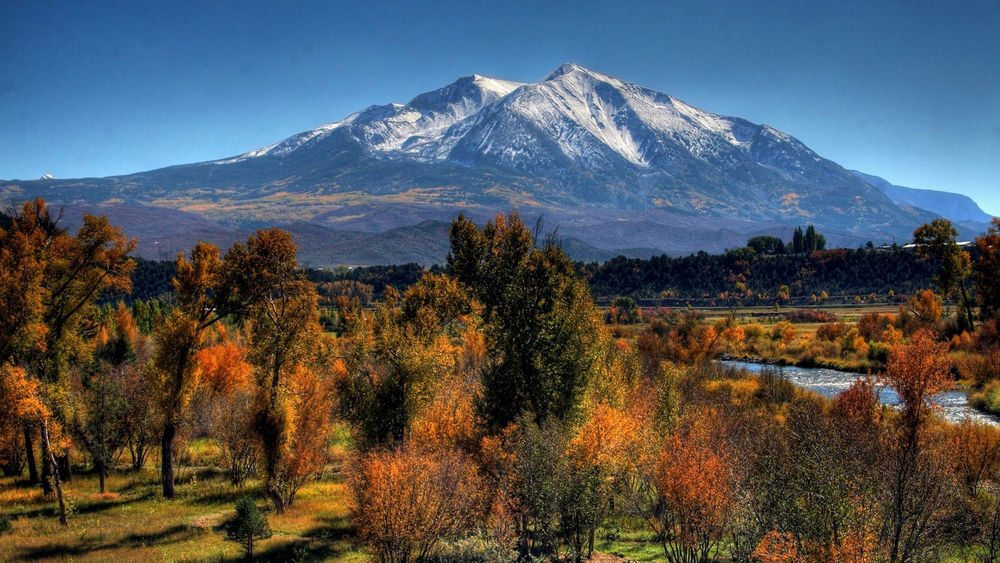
pixel 936 240
pixel 51 278
pixel 174 374
pixel 987 270
pixel 605 458
pixel 915 371
pixel 398 357
pixel 922 311
pixel 226 378
pixel 695 482
pixel 294 401
pixel 539 319
pixel 22 400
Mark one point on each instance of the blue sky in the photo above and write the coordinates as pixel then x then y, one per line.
pixel 906 90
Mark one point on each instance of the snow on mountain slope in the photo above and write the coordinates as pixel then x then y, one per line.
pixel 410 129
pixel 578 146
pixel 574 116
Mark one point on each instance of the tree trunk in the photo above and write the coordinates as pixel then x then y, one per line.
pixel 30 452
pixel 167 459
pixel 55 474
pixel 271 457
pixel 968 308
pixel 65 469
pixel 100 473
pixel 48 463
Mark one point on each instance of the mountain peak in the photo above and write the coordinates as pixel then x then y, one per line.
pixel 572 68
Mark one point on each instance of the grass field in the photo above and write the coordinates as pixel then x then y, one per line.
pixel 133 522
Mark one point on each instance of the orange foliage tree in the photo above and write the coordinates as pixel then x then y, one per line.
pixel 174 373
pixel 293 403
pixel 696 484
pixel 407 502
pixel 50 278
pixel 227 378
pixel 915 371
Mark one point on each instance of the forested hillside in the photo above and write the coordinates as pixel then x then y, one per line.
pixel 702 277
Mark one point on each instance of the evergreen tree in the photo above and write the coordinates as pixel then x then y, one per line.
pixel 249 525
pixel 798 244
pixel 810 239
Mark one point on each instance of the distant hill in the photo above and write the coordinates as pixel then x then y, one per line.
pixel 956 207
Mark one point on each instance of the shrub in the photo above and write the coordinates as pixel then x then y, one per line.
pixel 774 387
pixel 878 352
pixel 987 399
pixel 832 331
pixel 249 525
pixel 407 502
pixel 4 523
pixel 810 316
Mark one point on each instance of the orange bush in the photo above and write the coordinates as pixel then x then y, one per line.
pixel 407 502
pixel 776 547
pixel 696 482
pixel 307 409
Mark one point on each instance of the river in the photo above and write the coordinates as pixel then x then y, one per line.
pixel 828 382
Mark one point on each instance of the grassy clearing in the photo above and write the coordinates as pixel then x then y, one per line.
pixel 133 523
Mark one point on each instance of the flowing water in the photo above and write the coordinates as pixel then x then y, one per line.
pixel 828 382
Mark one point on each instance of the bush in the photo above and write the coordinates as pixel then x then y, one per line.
pixel 810 316
pixel 878 352
pixel 249 525
pixel 832 331
pixel 774 387
pixel 988 399
pixel 407 503
pixel 4 523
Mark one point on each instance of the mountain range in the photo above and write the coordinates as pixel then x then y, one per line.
pixel 614 167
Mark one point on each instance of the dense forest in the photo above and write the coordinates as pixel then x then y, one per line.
pixel 701 279
pixel 841 272
pixel 487 412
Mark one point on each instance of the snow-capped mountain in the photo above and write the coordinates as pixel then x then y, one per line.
pixel 586 150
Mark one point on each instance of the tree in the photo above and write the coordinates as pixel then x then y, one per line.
pixel 605 457
pixel 915 371
pixel 798 241
pixel 936 240
pixel 624 310
pixel 540 322
pixel 282 307
pixel 202 301
pixel 227 378
pixel 398 357
pixel 695 482
pixel 766 244
pixel 249 525
pixel 987 270
pixel 50 280
pixel 22 400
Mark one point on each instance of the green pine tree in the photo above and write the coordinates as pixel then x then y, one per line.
pixel 249 525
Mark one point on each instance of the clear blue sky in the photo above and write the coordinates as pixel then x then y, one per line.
pixel 908 90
